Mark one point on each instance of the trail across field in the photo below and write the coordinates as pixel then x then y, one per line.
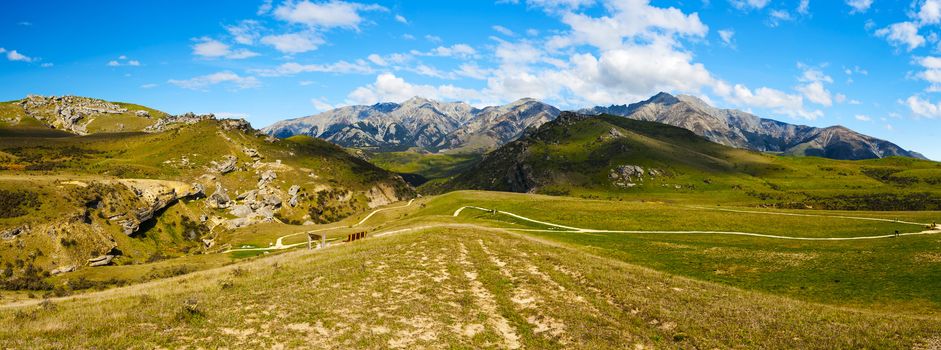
pixel 279 243
pixel 586 230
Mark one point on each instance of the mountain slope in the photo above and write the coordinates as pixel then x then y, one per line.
pixel 78 115
pixel 134 197
pixel 419 122
pixel 743 130
pixel 610 156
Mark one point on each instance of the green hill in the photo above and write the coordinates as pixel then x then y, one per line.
pixel 611 157
pixel 135 197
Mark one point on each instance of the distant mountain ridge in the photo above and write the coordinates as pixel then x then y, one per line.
pixel 744 130
pixel 439 126
pixel 420 122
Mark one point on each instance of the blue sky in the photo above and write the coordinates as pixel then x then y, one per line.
pixel 871 65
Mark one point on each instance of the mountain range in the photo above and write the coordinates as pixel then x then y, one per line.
pixel 419 122
pixel 439 127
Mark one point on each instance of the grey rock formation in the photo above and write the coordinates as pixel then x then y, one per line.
pixel 629 175
pixel 69 113
pixel 228 165
pixel 62 269
pixel 142 114
pixel 266 177
pixel 163 124
pixel 12 233
pixel 219 199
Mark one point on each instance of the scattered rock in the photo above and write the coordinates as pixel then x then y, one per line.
pixel 627 176
pixel 253 153
pixel 266 177
pixel 219 199
pixel 103 260
pixel 241 211
pixel 236 124
pixel 61 270
pixel 67 112
pixel 185 119
pixel 227 165
pixel 13 232
pixel 142 114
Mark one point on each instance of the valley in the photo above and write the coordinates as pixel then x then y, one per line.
pixel 582 232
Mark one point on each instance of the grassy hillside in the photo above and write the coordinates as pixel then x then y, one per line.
pixel 449 288
pixel 599 157
pixel 82 199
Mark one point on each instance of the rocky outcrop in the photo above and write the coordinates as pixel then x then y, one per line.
pixel 69 113
pixel 219 199
pixel 627 176
pixel 174 120
pixel 63 269
pixel 12 233
pixel 156 195
pixel 227 165
pixel 142 114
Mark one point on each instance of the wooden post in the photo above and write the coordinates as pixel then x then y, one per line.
pixel 308 241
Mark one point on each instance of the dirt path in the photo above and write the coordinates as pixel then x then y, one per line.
pixel 279 243
pixel 585 230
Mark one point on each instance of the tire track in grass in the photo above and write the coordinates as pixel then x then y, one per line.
pixel 487 303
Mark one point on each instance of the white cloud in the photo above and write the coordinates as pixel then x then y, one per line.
pixel 13 55
pixel 859 6
pixel 457 50
pixel 776 100
pixel 292 68
pixel 293 43
pixel 321 104
pixel 264 8
pixel 408 36
pixel 863 118
pixel 123 61
pixel 554 5
pixel 390 88
pixel 401 19
pixel 148 86
pixel 923 108
pixel 113 63
pixel 816 93
pixel 726 35
pixel 46 65
pixel 902 34
pixel 204 81
pixel 629 20
pixel 433 38
pixel 532 32
pixel 777 16
pixel 931 72
pixel 749 4
pixel 803 7
pixel 503 30
pixel 211 48
pixel 377 60
pixel 246 32
pixel 333 14
pixel 930 12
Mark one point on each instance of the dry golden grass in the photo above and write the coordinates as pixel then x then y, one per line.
pixel 454 287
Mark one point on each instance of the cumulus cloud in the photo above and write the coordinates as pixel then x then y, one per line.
pixel 294 43
pixel 749 4
pixel 456 50
pixel 245 32
pixel 389 87
pixel 859 6
pixel 780 102
pixel 211 48
pixel 930 12
pixel 923 108
pixel 503 30
pixel 123 61
pixel 726 35
pixel 13 55
pixel 332 14
pixel 203 82
pixel 863 118
pixel 902 34
pixel 401 19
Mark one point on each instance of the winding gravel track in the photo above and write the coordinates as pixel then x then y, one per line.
pixel 750 234
pixel 279 244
